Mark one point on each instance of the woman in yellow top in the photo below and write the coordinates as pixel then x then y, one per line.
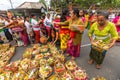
pixel 103 31
pixel 76 27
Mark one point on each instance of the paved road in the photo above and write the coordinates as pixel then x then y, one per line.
pixel 110 67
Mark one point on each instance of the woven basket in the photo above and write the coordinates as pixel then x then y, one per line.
pixel 98 48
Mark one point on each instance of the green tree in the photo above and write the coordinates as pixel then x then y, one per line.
pixel 87 3
pixel 43 2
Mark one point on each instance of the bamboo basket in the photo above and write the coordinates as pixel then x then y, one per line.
pixel 98 48
pixel 67 71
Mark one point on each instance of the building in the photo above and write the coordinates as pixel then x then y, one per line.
pixel 28 8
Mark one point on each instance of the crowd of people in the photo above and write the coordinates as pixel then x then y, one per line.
pixel 65 30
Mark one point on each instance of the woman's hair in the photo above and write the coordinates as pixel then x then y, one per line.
pixel 32 15
pixel 105 14
pixel 83 13
pixel 76 12
pixel 26 17
pixel 63 16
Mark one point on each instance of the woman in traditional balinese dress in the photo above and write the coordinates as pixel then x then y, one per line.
pixel 103 31
pixel 23 34
pixel 76 27
pixel 64 32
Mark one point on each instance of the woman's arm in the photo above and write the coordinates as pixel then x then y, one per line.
pixel 114 35
pixel 112 43
pixel 66 23
pixel 91 39
pixel 57 35
pixel 91 31
pixel 79 26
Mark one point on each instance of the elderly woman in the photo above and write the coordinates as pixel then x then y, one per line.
pixel 76 27
pixel 104 31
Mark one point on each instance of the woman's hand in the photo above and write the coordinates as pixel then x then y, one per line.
pixel 91 39
pixel 112 43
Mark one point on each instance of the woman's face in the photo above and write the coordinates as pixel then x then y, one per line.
pixel 101 20
pixel 27 18
pixel 73 16
pixel 80 12
pixel 48 15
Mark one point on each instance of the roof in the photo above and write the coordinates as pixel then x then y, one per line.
pixel 31 5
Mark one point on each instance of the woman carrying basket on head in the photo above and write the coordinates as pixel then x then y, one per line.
pixel 103 31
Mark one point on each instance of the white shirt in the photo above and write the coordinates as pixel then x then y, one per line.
pixel 111 17
pixel 47 22
pixel 34 23
pixel 28 27
pixel 6 23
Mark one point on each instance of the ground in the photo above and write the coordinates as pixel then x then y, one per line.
pixel 110 67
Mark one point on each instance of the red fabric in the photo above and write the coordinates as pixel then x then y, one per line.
pixel 37 36
pixel 48 29
pixel 43 24
pixel 68 17
pixel 17 29
pixel 36 26
pixel 72 34
pixel 64 31
pixel 72 49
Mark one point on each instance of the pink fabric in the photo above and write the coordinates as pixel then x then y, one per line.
pixel 36 26
pixel 55 25
pixel 73 50
pixel 83 19
pixel 115 22
pixel 24 38
pixel 17 29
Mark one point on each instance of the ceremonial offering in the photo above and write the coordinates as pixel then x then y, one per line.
pixel 71 65
pixel 45 71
